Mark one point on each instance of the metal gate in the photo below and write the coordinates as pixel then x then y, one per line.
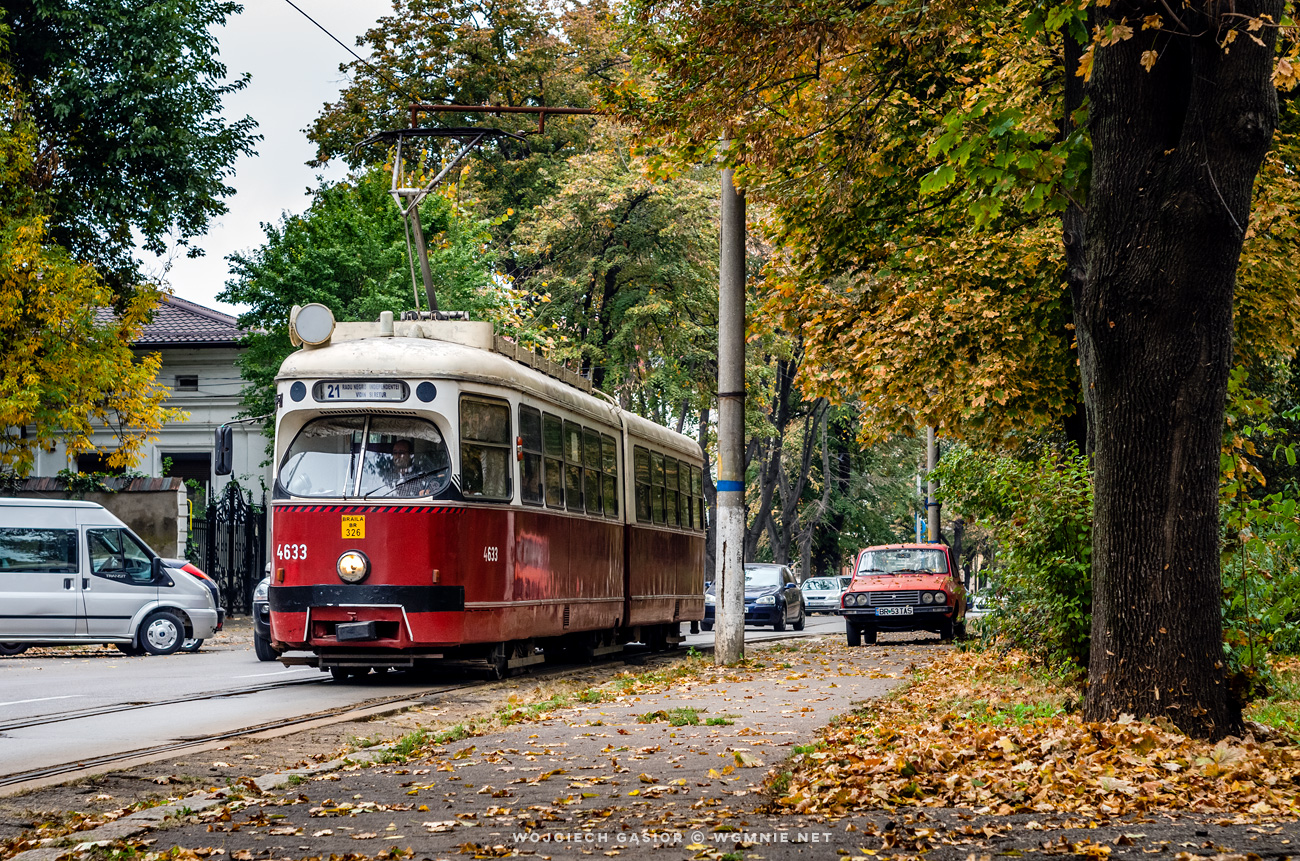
pixel 230 546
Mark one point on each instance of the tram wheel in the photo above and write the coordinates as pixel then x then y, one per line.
pixel 499 661
pixel 344 674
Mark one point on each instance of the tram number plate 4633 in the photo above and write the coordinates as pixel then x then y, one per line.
pixel 354 526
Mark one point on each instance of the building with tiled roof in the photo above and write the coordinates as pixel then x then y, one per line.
pixel 199 348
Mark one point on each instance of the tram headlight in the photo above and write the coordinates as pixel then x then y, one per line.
pixel 353 566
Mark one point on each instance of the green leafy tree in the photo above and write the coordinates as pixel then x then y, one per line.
pixel 906 147
pixel 125 100
pixel 348 251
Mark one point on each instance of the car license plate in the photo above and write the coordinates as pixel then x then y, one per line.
pixel 893 611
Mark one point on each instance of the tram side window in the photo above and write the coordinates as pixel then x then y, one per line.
pixel 591 469
pixel 573 466
pixel 642 466
pixel 609 476
pixel 553 451
pixel 530 433
pixel 485 449
pixel 671 494
pixel 657 487
pixel 697 494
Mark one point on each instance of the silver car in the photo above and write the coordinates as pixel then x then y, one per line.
pixel 72 573
pixel 822 594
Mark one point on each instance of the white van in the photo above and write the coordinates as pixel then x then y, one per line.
pixel 72 573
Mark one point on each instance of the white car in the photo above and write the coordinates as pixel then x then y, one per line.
pixel 822 594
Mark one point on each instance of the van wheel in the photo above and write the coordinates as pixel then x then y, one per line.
pixel 191 645
pixel 162 633
pixel 130 650
pixel 12 648
pixel 262 648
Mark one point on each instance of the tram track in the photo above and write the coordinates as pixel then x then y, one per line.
pixel 96 711
pixel 47 775
pixel 354 711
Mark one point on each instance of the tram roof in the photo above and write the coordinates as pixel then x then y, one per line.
pixel 408 357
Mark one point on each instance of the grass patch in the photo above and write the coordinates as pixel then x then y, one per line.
pixel 1281 708
pixel 719 721
pixel 673 717
pixel 1011 714
pixel 405 747
pixel 532 711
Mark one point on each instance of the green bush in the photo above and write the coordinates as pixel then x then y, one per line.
pixel 1040 515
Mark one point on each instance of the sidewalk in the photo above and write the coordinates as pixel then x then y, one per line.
pixel 651 765
pixel 591 778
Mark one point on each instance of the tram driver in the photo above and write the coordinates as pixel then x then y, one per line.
pixel 410 475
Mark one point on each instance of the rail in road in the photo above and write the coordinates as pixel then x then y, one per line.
pixel 300 697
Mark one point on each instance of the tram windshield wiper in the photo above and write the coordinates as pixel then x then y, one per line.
pixel 388 489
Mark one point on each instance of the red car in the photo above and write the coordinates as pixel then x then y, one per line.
pixel 904 587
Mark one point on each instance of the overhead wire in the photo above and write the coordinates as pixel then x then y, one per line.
pixel 398 88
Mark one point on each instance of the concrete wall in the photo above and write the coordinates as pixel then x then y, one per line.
pixel 155 508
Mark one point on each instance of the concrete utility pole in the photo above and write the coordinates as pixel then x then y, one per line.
pixel 730 575
pixel 931 505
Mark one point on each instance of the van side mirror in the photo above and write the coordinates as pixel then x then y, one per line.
pixel 223 447
pixel 156 568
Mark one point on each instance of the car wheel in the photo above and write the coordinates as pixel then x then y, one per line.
pixel 960 630
pixel 13 648
pixel 706 626
pixel 779 624
pixel 262 648
pixel 162 633
pixel 131 650
pixel 799 623
pixel 854 634
pixel 946 631
pixel 870 635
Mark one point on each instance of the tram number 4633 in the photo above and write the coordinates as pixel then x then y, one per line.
pixel 491 554
pixel 291 551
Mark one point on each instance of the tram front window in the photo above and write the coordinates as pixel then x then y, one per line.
pixel 367 456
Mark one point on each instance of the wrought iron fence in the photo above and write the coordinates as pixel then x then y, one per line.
pixel 229 543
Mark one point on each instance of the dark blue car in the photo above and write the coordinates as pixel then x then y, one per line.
pixel 772 597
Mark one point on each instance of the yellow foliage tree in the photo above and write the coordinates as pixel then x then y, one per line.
pixel 66 365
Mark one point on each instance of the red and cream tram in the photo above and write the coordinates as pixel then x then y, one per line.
pixel 438 498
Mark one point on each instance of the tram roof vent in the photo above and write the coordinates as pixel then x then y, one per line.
pixel 537 361
pixel 471 333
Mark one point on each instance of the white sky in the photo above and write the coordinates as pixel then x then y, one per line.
pixel 295 71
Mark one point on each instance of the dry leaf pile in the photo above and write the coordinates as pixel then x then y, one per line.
pixel 959 737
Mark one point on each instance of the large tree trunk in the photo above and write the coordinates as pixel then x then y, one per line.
pixel 1175 152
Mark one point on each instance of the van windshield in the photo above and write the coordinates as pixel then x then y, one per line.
pixel 365 456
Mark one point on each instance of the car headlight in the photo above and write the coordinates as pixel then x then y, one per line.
pixel 940 598
pixel 927 597
pixel 766 599
pixel 353 566
pixel 262 590
pixel 710 600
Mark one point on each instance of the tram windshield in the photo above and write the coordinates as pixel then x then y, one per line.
pixel 365 456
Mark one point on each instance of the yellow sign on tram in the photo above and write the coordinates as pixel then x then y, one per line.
pixel 354 526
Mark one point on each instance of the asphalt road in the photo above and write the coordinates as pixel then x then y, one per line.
pixel 65 706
